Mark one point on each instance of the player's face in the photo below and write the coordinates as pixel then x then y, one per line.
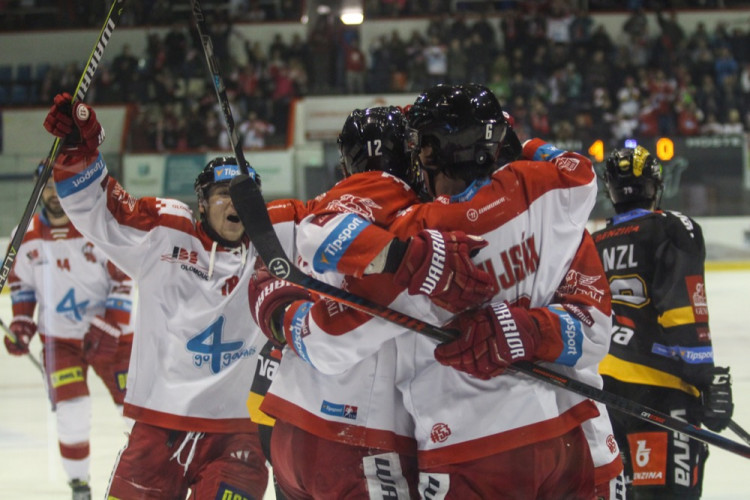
pixel 221 215
pixel 50 200
pixel 428 169
pixel 438 183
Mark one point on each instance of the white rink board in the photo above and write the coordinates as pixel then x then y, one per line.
pixel 30 467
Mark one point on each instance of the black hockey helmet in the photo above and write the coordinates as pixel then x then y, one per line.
pixel 220 169
pixel 465 126
pixel 379 138
pixel 633 178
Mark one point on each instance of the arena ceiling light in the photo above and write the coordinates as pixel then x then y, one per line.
pixel 351 12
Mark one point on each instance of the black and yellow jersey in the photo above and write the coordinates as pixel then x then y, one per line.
pixel 269 358
pixel 654 261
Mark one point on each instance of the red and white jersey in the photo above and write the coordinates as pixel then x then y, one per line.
pixel 359 406
pixel 196 344
pixel 533 215
pixel 69 279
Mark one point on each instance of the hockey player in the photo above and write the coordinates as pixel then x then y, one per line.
pixel 661 353
pixel 354 423
pixel 489 452
pixel 83 310
pixel 194 351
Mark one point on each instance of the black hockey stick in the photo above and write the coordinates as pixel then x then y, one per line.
pixel 218 82
pixel 251 207
pixel 113 16
pixel 737 429
pixel 14 339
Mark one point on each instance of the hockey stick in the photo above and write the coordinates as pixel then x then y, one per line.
pixel 737 429
pixel 80 93
pixel 14 339
pixel 251 209
pixel 218 82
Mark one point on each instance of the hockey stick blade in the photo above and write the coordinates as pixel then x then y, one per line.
pixel 251 208
pixel 113 16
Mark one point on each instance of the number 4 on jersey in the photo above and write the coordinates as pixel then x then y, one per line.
pixel 68 305
pixel 209 342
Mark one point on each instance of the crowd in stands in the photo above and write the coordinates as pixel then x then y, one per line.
pixel 555 70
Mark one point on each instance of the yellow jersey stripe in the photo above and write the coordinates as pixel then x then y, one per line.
pixel 257 416
pixel 677 317
pixel 635 373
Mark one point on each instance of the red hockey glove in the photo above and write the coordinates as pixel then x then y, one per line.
pixel 491 339
pixel 269 298
pixel 716 397
pixel 76 123
pixel 101 341
pixel 24 328
pixel 438 264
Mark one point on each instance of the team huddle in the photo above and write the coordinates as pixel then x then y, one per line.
pixel 442 214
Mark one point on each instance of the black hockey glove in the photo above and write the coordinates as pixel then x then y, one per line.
pixel 716 398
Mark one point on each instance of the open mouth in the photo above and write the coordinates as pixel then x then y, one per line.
pixel 233 218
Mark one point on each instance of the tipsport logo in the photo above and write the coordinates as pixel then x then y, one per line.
pixel 226 173
pixel 339 410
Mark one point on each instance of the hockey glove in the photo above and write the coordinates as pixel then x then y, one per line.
pixel 101 342
pixel 76 124
pixel 24 328
pixel 716 397
pixel 491 339
pixel 269 298
pixel 438 264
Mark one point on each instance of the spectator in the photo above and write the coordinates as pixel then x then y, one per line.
pixel 581 28
pixel 380 66
pixel 688 119
pixel 559 22
pixel 355 66
pixel 711 125
pixel 600 40
pixel 707 96
pixel 176 45
pixel 321 43
pixel 662 91
pixel 629 97
pixel 458 62
pixel 672 35
pixel 733 124
pixel 701 60
pixel 254 131
pixel 481 58
pixel 636 25
pixel 725 65
pixel 255 13
pixel 538 119
pixel 125 73
pixel 486 33
pixel 514 33
pixel 436 61
pixel 647 120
